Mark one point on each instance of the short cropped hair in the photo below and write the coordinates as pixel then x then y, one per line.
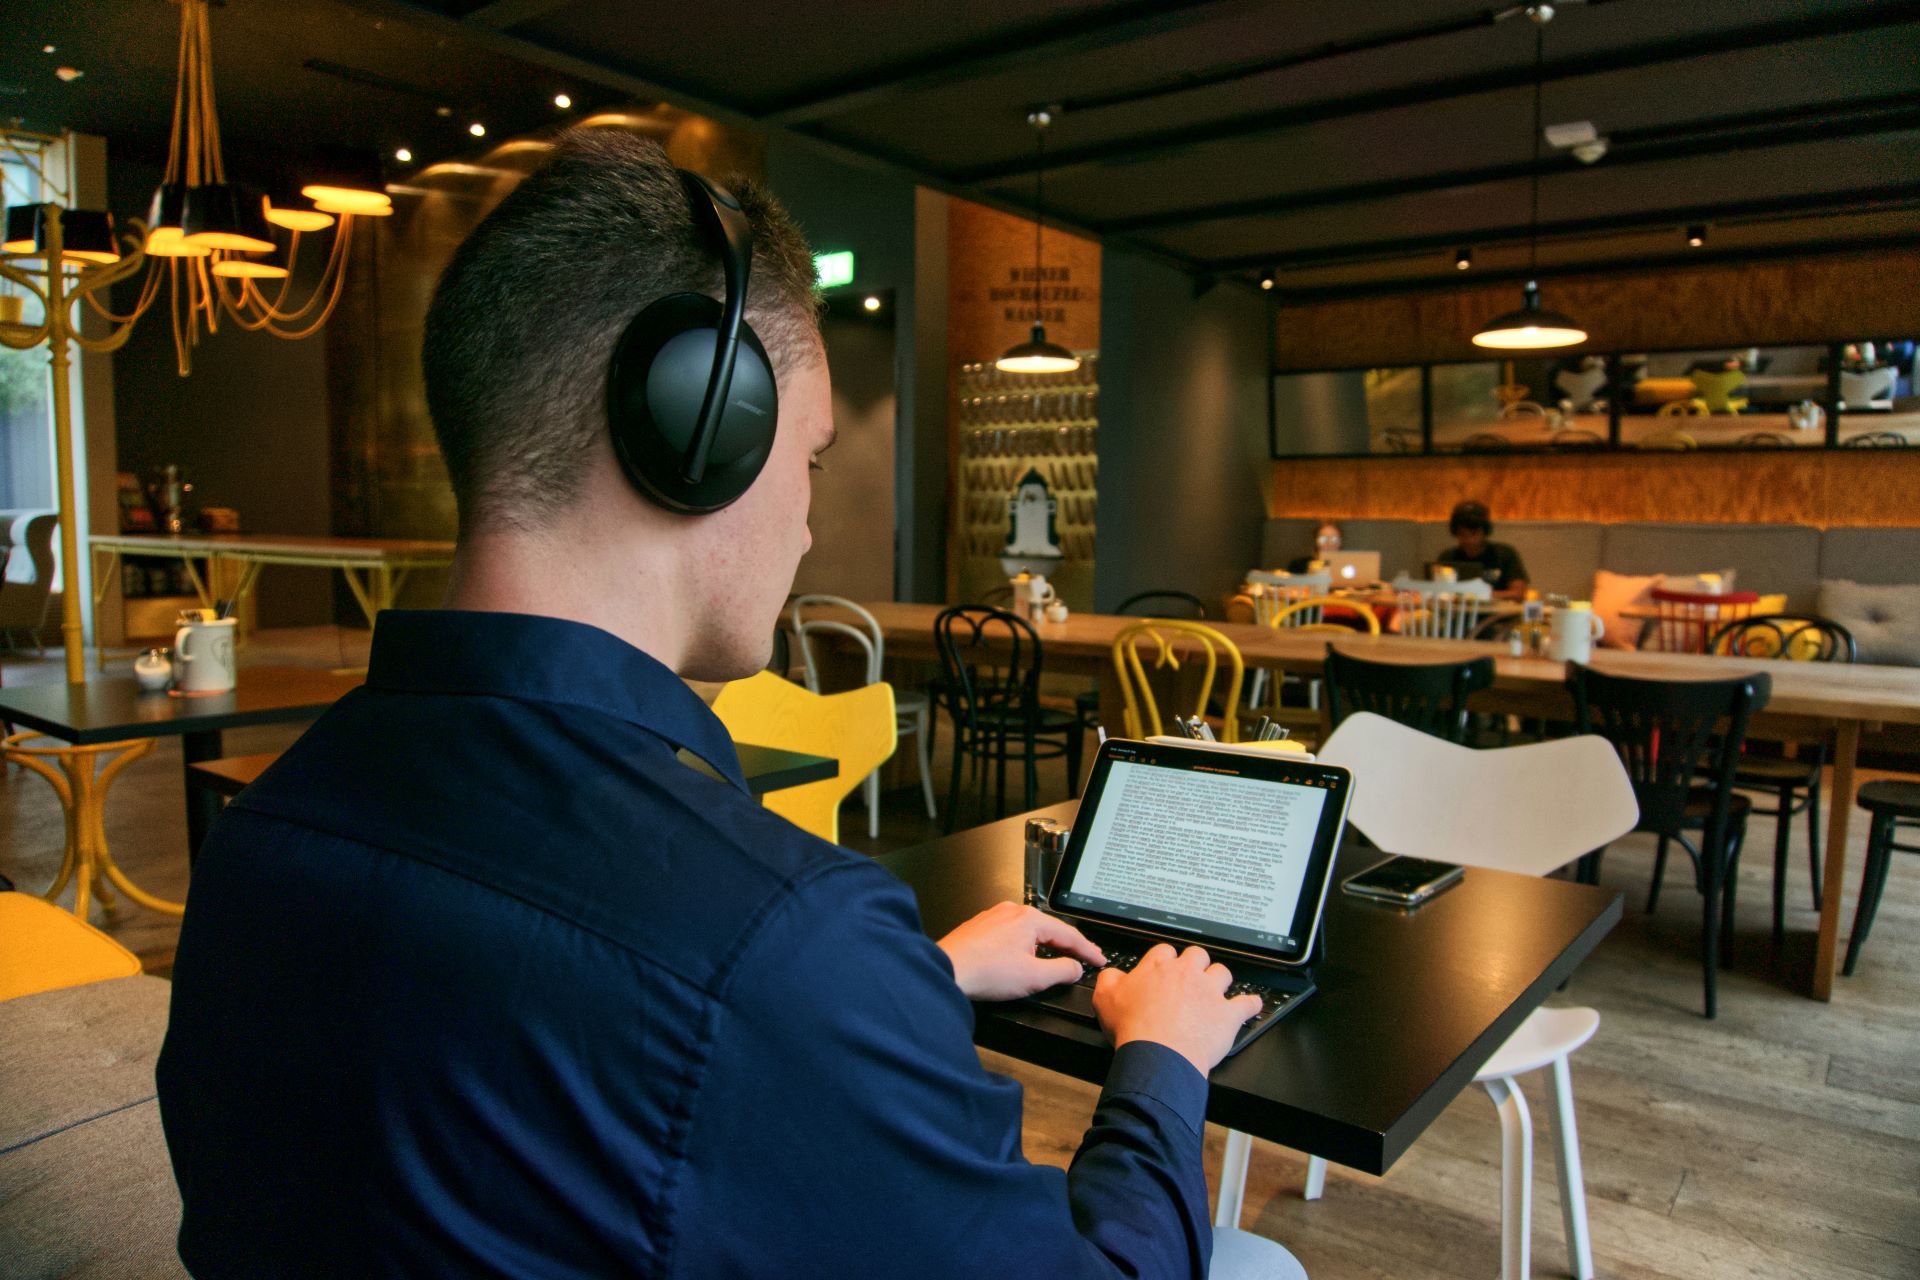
pixel 524 320
pixel 1470 515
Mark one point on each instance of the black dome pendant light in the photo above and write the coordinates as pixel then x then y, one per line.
pixel 1037 355
pixel 1532 327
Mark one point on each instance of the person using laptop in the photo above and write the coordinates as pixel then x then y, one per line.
pixel 1326 540
pixel 481 979
pixel 1497 563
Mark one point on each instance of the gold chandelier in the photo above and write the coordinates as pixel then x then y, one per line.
pixel 212 242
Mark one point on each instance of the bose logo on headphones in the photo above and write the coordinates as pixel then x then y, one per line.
pixel 753 409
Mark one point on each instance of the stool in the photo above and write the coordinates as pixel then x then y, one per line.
pixel 1890 803
pixel 76 776
pixel 1242 1255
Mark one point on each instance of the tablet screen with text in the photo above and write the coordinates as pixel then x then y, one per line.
pixel 1229 848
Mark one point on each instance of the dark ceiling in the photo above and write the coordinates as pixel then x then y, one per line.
pixel 1346 146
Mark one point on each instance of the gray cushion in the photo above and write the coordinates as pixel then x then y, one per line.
pixel 67 1056
pixel 1283 541
pixel 96 1200
pixel 1404 545
pixel 1767 558
pixel 85 1185
pixel 1884 620
pixel 1562 555
pixel 1883 556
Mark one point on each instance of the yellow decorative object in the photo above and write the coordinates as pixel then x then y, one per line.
pixel 71 772
pixel 1693 407
pixel 42 948
pixel 1715 389
pixel 1167 636
pixel 855 728
pixel 1315 608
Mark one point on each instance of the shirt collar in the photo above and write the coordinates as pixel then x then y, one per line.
pixel 540 659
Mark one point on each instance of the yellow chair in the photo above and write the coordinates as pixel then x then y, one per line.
pixel 1310 615
pixel 71 772
pixel 42 948
pixel 1716 387
pixel 1168 636
pixel 856 728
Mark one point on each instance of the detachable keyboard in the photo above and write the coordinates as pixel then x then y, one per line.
pixel 1279 996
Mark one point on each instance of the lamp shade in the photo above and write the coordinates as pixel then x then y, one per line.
pixel 354 200
pixel 1531 328
pixel 1037 355
pixel 25 230
pixel 226 215
pixel 163 224
pixel 87 234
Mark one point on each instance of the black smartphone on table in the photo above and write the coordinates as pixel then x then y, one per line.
pixel 1404 882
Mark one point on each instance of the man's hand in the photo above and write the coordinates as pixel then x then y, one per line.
pixel 1179 1001
pixel 993 953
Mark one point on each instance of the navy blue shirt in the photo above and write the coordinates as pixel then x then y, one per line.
pixel 481 979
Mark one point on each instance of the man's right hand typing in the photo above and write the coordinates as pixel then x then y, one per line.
pixel 1176 999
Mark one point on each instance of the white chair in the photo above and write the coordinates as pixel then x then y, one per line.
pixel 1872 388
pixel 1439 610
pixel 1534 809
pixel 912 713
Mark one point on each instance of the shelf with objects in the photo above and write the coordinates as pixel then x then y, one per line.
pixel 155 589
pixel 1853 394
pixel 1025 439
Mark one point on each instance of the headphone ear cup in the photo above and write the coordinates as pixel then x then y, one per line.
pixel 656 384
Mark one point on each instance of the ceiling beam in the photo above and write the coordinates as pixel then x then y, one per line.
pixel 1820 122
pixel 1858 200
pixel 1230 72
pixel 1600 267
pixel 1147 146
pixel 1006 51
pixel 519 48
pixel 501 14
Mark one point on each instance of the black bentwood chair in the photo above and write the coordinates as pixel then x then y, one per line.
pixel 990 663
pixel 1680 741
pixel 1429 697
pixel 1794 784
pixel 1892 802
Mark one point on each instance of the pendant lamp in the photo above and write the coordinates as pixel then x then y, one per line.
pixel 1532 327
pixel 1036 354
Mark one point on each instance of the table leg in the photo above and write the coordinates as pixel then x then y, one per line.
pixel 367 604
pixel 1846 750
pixel 203 805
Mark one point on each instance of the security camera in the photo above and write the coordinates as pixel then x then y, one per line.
pixel 1588 152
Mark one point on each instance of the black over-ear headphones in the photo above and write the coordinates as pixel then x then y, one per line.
pixel 691 400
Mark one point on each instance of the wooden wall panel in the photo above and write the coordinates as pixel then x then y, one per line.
pixel 990 284
pixel 1823 489
pixel 1819 299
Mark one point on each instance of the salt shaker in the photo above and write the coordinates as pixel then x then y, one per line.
pixel 1039 832
pixel 1053 848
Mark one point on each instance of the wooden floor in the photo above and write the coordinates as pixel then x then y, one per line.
pixel 1782 1139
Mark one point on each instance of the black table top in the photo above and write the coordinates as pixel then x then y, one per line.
pixel 771 769
pixel 1410 1004
pixel 113 708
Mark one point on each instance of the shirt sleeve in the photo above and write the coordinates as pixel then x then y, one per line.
pixel 1515 569
pixel 845 1125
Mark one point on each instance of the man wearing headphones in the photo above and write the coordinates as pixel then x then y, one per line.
pixel 1495 562
pixel 482 977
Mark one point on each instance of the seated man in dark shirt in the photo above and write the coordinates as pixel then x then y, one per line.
pixel 1498 564
pixel 482 979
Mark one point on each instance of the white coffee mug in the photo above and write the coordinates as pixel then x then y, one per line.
pixel 203 660
pixel 1574 628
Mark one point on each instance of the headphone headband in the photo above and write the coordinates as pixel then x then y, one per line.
pixel 728 230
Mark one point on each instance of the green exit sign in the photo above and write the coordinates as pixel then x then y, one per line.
pixel 833 268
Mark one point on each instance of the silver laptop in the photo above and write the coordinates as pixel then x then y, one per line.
pixel 1353 568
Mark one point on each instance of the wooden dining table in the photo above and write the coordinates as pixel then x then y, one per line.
pixel 1809 700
